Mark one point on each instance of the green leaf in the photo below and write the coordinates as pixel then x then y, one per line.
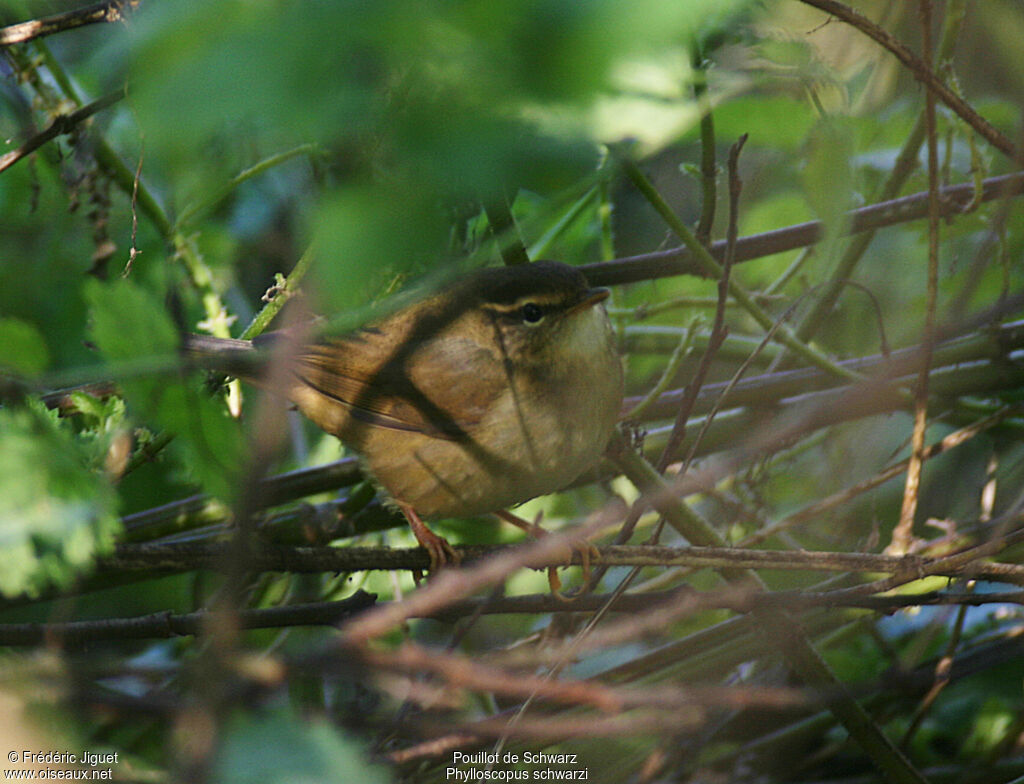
pixel 828 177
pixel 130 326
pixel 128 323
pixel 276 748
pixel 22 348
pixel 775 122
pixel 55 514
pixel 101 413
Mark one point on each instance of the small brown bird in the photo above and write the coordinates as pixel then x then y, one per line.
pixel 503 387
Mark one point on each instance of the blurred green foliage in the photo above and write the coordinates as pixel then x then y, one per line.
pixel 273 747
pixel 25 350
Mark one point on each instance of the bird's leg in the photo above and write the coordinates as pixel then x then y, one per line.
pixel 437 547
pixel 586 550
pixel 533 529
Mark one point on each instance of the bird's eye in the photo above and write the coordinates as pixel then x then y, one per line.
pixel 532 313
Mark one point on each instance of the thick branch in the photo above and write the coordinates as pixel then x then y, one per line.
pixel 680 261
pixel 165 624
pixel 181 557
pixel 950 358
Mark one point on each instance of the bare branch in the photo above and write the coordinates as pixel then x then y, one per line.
pixel 165 624
pixel 179 557
pixel 902 535
pixel 62 124
pixel 111 11
pixel 680 261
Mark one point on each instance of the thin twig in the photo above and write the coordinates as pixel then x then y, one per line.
pixel 921 71
pixel 712 268
pixel 903 533
pixel 198 209
pixel 112 11
pixel 817 508
pixel 61 124
pixel 718 328
pixel 133 251
pixel 505 232
pixel 906 163
pixel 943 670
pixel 708 166
pixel 282 293
pixel 461 672
pixel 668 374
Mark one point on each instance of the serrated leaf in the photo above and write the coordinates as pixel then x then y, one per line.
pixel 100 411
pixel 128 323
pixel 55 514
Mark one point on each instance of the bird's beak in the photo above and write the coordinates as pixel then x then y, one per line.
pixel 590 299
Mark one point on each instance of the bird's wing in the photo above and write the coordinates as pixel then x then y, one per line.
pixel 439 385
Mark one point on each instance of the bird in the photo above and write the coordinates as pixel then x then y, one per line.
pixel 504 386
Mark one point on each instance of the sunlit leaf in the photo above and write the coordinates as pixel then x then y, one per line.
pixel 55 514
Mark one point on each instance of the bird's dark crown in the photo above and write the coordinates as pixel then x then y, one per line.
pixel 543 282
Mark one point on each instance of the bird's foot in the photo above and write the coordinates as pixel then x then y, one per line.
pixel 438 548
pixel 587 551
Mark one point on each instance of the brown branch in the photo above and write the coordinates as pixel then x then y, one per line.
pixel 61 124
pixel 274 490
pixel 764 390
pixel 631 603
pixel 903 532
pixel 817 508
pixel 813 410
pixel 745 434
pixel 680 261
pixel 165 624
pixel 178 557
pixel 634 724
pixel 777 627
pixel 772 388
pixel 454 584
pixel 647 614
pixel 963 561
pixel 461 672
pixel 923 73
pixel 719 330
pixel 111 11
pixel 896 682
